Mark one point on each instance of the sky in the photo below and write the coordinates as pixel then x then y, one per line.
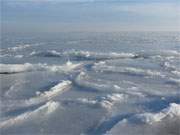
pixel 90 15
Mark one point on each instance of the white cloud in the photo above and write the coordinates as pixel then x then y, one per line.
pixel 162 9
pixel 49 1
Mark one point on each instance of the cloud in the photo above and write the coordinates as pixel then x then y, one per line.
pixel 73 1
pixel 158 9
pixel 41 1
pixel 93 15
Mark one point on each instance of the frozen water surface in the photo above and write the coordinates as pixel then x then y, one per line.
pixel 90 83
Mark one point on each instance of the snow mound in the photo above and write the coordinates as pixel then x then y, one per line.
pixel 27 67
pixel 42 111
pixel 106 102
pixel 172 111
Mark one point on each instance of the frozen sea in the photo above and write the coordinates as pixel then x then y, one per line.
pixel 123 83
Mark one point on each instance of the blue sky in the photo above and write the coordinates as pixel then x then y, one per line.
pixel 90 15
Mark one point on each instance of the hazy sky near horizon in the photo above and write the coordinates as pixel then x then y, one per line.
pixel 90 15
